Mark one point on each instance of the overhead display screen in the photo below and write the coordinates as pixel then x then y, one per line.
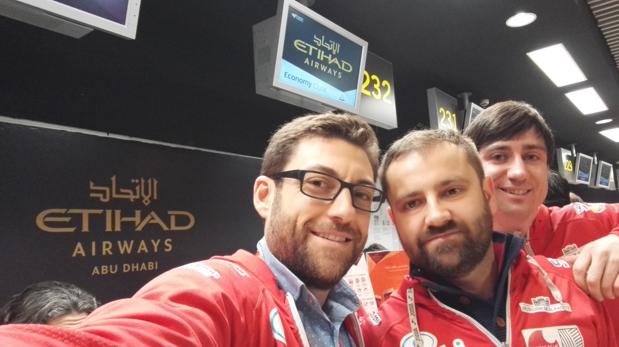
pixel 114 10
pixel 443 109
pixel 319 60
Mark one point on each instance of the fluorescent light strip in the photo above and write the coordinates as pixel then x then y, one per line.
pixel 587 100
pixel 521 19
pixel 612 133
pixel 557 63
pixel 604 121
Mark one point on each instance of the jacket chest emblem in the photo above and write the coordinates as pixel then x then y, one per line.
pixel 542 304
pixel 557 336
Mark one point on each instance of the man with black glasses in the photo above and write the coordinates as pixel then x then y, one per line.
pixel 315 193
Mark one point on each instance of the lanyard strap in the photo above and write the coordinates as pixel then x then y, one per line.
pixel 412 317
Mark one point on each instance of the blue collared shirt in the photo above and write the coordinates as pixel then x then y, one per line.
pixel 324 325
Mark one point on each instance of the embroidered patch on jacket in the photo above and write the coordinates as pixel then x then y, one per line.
pixel 276 326
pixel 558 336
pixel 559 263
pixel 582 207
pixel 570 249
pixel 235 267
pixel 203 269
pixel 428 340
pixel 542 304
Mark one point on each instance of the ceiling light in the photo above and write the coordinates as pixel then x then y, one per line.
pixel 612 133
pixel 604 121
pixel 520 19
pixel 558 65
pixel 587 100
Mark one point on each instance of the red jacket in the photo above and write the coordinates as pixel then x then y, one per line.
pixel 223 301
pixel 557 231
pixel 587 324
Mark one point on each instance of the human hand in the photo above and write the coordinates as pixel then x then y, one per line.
pixel 596 267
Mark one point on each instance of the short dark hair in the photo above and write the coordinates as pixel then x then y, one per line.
pixel 422 140
pixel 506 120
pixel 558 190
pixel 328 125
pixel 42 302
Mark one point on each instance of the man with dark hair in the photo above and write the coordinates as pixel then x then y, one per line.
pixel 558 190
pixel 315 193
pixel 49 302
pixel 516 148
pixel 467 285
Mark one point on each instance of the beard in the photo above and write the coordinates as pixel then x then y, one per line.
pixel 471 250
pixel 316 268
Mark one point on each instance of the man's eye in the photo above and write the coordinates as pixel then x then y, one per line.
pixel 453 191
pixel 412 204
pixel 317 183
pixel 498 157
pixel 362 195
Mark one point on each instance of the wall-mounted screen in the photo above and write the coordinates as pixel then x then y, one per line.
pixel 584 165
pixel 318 59
pixel 443 110
pixel 118 17
pixel 472 110
pixel 566 164
pixel 604 177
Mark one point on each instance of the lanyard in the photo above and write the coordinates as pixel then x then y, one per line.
pixel 412 317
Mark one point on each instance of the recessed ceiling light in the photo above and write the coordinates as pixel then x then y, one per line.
pixel 612 133
pixel 521 19
pixel 604 121
pixel 558 65
pixel 587 100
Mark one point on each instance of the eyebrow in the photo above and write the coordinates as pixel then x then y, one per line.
pixel 441 184
pixel 507 147
pixel 330 171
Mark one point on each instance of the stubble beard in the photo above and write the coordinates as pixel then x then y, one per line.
pixel 470 251
pixel 321 270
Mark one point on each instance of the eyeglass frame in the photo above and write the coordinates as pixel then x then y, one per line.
pixel 300 175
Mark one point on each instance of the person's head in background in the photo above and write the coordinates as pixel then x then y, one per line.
pixel 558 190
pixel 516 147
pixel 49 302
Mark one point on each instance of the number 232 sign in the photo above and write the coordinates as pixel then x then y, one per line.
pixel 378 93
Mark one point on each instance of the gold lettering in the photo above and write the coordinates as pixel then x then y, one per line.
pixel 78 250
pixel 85 216
pixel 108 220
pixel 43 218
pixel 125 247
pixel 119 219
pixel 191 221
pixel 106 248
pixel 155 244
pixel 167 243
pixel 152 218
pixel 142 247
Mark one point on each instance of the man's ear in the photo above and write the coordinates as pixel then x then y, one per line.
pixel 264 191
pixel 489 191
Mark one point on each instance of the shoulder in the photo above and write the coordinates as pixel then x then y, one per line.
pixel 215 276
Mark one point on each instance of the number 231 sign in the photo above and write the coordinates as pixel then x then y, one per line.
pixel 442 108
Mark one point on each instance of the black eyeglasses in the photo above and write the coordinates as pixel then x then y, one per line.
pixel 319 185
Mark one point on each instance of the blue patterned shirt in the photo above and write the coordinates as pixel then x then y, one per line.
pixel 324 325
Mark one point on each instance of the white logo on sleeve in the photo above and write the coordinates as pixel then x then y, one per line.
pixel 276 326
pixel 203 269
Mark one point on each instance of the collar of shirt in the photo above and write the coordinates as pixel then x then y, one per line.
pixel 341 301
